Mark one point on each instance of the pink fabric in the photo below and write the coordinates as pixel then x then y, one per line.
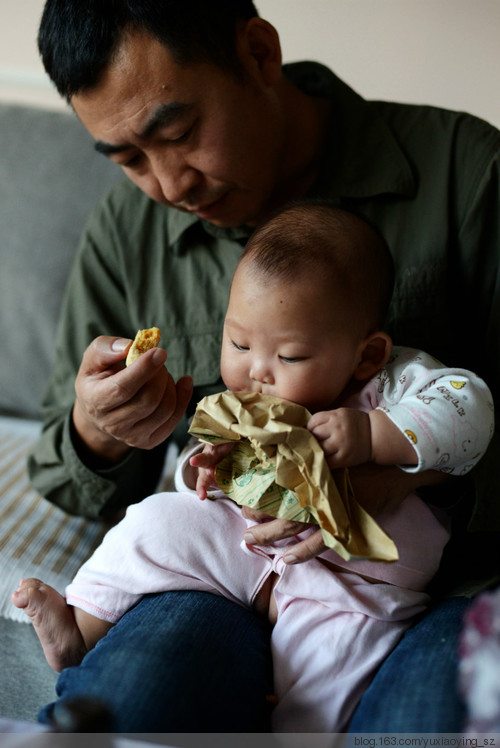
pixel 333 629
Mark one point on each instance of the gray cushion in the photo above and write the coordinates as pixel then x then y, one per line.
pixel 50 178
pixel 26 681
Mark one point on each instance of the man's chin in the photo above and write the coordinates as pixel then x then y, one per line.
pixel 221 214
pixel 226 223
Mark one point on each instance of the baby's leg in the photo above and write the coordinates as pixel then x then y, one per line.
pixel 66 634
pixel 324 654
pixel 169 542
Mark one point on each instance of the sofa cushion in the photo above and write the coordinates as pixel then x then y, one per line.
pixel 50 178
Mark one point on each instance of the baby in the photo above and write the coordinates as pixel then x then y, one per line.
pixel 303 323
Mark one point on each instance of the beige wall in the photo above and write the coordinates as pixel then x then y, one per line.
pixel 443 52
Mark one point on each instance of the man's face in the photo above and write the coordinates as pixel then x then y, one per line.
pixel 190 136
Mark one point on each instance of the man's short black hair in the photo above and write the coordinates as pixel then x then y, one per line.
pixel 78 37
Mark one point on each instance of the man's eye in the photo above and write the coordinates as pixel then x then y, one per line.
pixel 182 138
pixel 132 162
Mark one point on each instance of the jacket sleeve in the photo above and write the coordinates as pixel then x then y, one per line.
pixel 95 304
pixel 476 280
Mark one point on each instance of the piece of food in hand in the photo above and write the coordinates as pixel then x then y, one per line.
pixel 144 341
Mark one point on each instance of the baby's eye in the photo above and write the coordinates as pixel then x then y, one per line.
pixel 239 347
pixel 291 359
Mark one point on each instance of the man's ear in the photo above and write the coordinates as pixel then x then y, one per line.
pixel 374 353
pixel 260 48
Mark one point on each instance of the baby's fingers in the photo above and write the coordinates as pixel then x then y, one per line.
pixel 318 420
pixel 205 483
pixel 211 455
pixel 204 459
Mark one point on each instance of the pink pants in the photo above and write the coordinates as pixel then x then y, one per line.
pixel 334 628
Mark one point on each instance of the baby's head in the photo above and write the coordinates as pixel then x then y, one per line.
pixel 307 301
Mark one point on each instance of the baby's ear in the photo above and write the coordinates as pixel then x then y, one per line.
pixel 374 353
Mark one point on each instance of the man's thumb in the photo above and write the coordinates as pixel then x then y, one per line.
pixel 120 345
pixel 104 352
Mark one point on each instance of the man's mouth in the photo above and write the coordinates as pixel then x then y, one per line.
pixel 209 209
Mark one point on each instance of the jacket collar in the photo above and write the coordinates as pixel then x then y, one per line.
pixel 363 157
pixel 181 225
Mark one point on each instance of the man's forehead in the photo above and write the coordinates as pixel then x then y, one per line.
pixel 165 115
pixel 142 82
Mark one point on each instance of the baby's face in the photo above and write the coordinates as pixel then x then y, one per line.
pixel 287 340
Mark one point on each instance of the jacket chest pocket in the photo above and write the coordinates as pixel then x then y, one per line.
pixel 196 353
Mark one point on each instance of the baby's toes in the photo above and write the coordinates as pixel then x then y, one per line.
pixel 29 596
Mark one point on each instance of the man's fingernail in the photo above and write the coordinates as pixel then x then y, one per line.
pixel 249 538
pixel 119 344
pixel 290 559
pixel 159 356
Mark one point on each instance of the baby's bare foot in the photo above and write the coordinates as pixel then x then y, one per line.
pixel 53 622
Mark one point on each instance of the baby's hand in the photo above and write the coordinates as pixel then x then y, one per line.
pixel 206 462
pixel 344 435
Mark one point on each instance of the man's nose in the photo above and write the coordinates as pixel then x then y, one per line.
pixel 176 179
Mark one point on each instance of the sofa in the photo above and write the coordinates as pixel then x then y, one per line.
pixel 50 177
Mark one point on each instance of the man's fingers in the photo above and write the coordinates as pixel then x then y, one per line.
pixel 255 515
pixel 126 383
pixel 118 407
pixel 103 353
pixel 306 549
pixel 278 529
pixel 103 382
pixel 183 390
pixel 275 529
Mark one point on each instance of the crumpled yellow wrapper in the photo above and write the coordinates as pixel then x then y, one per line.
pixel 278 467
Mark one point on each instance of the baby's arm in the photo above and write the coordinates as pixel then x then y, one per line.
pixel 445 416
pixel 351 437
pixel 446 413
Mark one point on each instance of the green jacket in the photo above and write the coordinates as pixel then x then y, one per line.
pixel 428 178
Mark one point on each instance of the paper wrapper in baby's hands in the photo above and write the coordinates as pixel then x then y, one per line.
pixel 278 467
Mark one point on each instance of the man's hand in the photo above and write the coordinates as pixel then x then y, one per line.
pixel 377 488
pixel 117 408
pixel 205 463
pixel 269 530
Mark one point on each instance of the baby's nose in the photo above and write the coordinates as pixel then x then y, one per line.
pixel 261 372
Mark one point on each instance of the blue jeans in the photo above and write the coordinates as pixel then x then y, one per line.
pixel 179 662
pixel 415 689
pixel 195 662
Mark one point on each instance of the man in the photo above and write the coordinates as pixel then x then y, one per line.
pixel 191 99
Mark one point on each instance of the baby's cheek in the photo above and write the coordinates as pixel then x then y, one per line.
pixel 234 376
